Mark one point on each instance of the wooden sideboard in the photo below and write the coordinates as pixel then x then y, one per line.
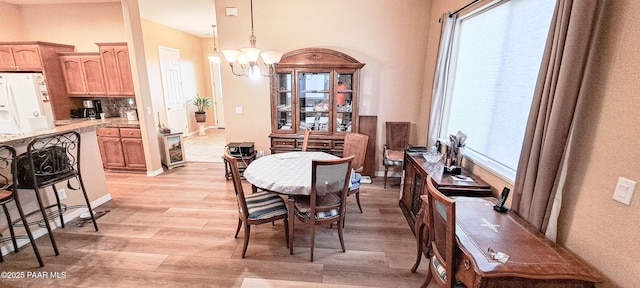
pixel 415 174
pixel 533 260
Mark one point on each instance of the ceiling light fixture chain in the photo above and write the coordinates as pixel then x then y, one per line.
pixel 214 57
pixel 247 60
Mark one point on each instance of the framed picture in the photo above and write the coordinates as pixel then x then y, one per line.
pixel 174 146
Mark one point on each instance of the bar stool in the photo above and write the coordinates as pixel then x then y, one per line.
pixel 8 194
pixel 52 159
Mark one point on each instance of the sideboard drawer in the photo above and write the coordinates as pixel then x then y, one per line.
pixel 315 144
pixel 282 143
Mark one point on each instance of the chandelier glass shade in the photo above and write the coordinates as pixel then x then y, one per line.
pixel 251 61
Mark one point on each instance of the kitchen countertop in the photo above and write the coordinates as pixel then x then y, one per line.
pixel 79 124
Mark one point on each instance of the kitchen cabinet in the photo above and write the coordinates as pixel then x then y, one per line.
pixel 37 56
pixel 83 74
pixel 20 58
pixel 117 68
pixel 121 149
pixel 133 150
pixel 314 88
pixel 110 147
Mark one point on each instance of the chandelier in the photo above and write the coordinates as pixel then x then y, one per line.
pixel 245 62
pixel 214 57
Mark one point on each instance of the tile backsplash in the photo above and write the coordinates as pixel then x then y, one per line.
pixel 112 106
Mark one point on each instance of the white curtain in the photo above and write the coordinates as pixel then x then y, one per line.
pixel 448 22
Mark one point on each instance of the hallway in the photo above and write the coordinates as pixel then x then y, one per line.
pixel 205 148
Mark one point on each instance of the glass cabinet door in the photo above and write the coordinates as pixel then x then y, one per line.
pixel 314 100
pixel 344 103
pixel 284 114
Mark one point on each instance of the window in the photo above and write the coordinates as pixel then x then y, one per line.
pixel 495 61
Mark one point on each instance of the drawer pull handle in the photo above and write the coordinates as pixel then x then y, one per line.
pixel 130 133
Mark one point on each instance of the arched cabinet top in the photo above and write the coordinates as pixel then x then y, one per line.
pixel 318 57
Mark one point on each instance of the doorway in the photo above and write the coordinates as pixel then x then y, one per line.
pixel 216 87
pixel 174 101
pixel 210 146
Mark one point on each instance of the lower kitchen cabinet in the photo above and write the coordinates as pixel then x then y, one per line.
pixel 121 149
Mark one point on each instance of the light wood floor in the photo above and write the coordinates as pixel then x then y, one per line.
pixel 176 230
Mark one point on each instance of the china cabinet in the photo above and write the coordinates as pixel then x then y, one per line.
pixel 314 88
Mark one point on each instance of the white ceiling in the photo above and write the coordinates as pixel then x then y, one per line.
pixel 191 16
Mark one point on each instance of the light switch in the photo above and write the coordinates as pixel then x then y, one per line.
pixel 624 190
pixel 239 110
pixel 231 11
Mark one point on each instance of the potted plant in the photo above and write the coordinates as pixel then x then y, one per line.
pixel 201 104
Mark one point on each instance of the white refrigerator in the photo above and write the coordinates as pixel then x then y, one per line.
pixel 24 103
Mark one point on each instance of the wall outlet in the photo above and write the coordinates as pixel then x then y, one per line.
pixel 239 110
pixel 624 191
pixel 62 194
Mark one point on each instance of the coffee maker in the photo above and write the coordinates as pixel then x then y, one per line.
pixel 89 110
pixel 98 106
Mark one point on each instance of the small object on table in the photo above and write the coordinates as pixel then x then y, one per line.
pixel 503 198
pixel 454 170
pixel 165 130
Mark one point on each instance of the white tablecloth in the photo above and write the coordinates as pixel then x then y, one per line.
pixel 286 173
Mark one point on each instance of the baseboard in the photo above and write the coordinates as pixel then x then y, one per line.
pixel 155 173
pixel 8 246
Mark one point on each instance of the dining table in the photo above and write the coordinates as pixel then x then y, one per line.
pixel 286 174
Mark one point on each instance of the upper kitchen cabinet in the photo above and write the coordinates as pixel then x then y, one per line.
pixel 117 69
pixel 29 56
pixel 20 58
pixel 314 88
pixel 35 56
pixel 83 74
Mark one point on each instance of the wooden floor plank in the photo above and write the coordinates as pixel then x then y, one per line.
pixel 176 230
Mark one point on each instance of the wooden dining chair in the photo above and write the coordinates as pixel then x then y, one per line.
pixel 397 139
pixel 356 144
pixel 326 203
pixel 255 208
pixel 442 235
pixel 305 141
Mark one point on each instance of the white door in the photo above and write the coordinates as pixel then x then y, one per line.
pixel 216 87
pixel 172 89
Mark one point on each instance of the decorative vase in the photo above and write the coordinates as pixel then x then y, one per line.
pixel 201 117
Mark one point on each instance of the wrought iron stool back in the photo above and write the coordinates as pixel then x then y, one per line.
pixel 50 160
pixel 8 193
